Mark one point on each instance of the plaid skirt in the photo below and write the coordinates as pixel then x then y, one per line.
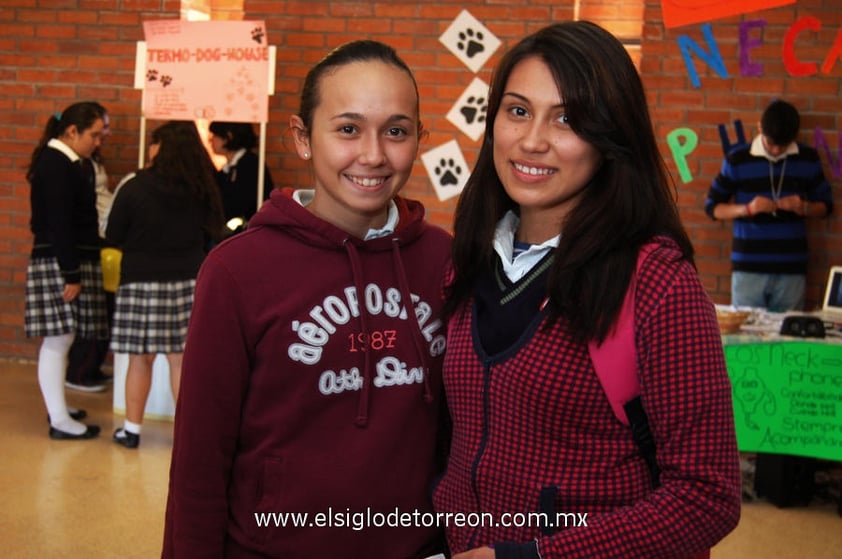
pixel 152 317
pixel 46 313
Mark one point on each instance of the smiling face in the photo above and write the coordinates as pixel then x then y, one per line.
pixel 543 165
pixel 363 142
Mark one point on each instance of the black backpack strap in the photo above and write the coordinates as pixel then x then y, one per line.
pixel 546 505
pixel 642 434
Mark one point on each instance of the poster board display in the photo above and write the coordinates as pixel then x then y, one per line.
pixel 787 397
pixel 213 70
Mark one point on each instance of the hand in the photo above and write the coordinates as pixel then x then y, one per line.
pixel 476 553
pixel 792 203
pixel 761 205
pixel 71 291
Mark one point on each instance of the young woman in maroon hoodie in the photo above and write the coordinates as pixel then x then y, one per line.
pixel 309 412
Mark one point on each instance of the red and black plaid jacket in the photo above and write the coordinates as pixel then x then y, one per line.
pixel 534 433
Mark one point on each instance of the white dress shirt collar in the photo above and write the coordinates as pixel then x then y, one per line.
pixel 515 267
pixel 305 196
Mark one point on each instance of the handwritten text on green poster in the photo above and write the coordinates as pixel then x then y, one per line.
pixel 788 397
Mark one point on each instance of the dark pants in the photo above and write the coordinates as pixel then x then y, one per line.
pixel 84 362
pixel 785 481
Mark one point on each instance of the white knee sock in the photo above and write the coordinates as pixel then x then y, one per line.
pixel 52 365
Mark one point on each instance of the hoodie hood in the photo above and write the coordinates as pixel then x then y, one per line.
pixel 281 211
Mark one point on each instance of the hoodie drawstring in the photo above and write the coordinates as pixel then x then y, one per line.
pixel 361 419
pixel 417 336
pixel 362 406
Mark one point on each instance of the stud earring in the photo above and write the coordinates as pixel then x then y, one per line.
pixel 306 155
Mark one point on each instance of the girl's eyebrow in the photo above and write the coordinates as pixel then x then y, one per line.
pixel 526 99
pixel 349 116
pixel 513 94
pixel 362 118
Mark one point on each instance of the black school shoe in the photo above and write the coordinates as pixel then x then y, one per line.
pixel 90 433
pixel 126 439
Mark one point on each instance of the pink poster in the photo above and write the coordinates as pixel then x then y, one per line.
pixel 684 12
pixel 215 70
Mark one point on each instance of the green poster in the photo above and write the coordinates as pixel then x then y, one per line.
pixel 788 397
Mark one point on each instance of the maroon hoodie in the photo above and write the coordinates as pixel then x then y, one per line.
pixel 310 387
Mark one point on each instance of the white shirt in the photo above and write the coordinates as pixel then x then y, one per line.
pixel 515 267
pixel 233 162
pixel 759 150
pixel 55 143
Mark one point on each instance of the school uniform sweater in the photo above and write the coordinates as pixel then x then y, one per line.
pixel 160 230
pixel 533 432
pixel 769 243
pixel 311 384
pixel 64 218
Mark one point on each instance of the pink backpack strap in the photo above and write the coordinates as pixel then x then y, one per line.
pixel 615 360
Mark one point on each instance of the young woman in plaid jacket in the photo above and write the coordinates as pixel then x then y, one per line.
pixel 568 186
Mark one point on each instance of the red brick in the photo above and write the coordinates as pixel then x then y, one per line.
pixel 351 9
pixel 99 36
pixel 37 16
pixel 303 40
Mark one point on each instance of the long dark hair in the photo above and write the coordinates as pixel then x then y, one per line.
pixel 628 200
pixel 82 115
pixel 183 166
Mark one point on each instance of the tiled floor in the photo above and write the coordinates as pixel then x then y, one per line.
pixel 93 499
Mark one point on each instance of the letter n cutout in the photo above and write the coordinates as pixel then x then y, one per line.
pixel 714 59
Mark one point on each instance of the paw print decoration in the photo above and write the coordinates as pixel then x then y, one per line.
pixel 470 41
pixel 468 113
pixel 257 35
pixel 153 75
pixel 447 169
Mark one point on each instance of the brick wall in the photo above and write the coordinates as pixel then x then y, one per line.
pixel 50 57
pixel 742 94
